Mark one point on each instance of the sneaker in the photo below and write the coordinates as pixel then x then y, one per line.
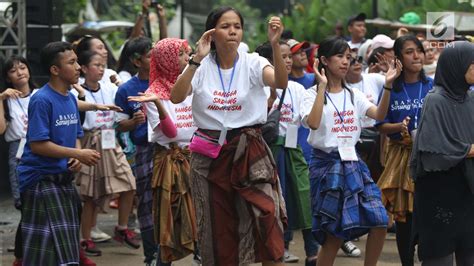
pixel 350 249
pixel 310 262
pixel 84 260
pixel 90 248
pixel 18 262
pixel 151 263
pixel 290 258
pixel 98 236
pixel 126 237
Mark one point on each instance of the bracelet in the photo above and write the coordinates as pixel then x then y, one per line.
pixel 387 88
pixel 82 98
pixel 193 63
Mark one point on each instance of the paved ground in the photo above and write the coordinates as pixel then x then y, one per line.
pixel 116 255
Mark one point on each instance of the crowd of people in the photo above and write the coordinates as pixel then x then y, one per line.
pixel 225 153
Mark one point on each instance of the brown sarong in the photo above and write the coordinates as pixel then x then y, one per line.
pixel 173 209
pixel 240 210
pixel 395 183
pixel 111 175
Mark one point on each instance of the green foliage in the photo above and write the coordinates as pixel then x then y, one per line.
pixel 71 10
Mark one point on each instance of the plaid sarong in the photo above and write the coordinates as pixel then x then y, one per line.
pixel 173 207
pixel 240 210
pixel 143 172
pixel 345 201
pixel 50 222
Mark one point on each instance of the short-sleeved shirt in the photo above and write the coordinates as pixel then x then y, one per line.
pixel 245 102
pixel 331 127
pixel 371 85
pixel 18 124
pixel 406 102
pixel 100 119
pixel 182 116
pixel 132 88
pixel 290 109
pixel 51 117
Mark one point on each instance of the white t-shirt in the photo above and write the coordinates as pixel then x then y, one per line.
pixel 18 124
pixel 290 110
pixel 100 119
pixel 326 136
pixel 182 116
pixel 371 85
pixel 245 101
pixel 124 76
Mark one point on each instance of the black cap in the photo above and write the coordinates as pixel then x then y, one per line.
pixel 358 17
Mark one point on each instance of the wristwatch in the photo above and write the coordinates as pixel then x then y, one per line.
pixel 193 63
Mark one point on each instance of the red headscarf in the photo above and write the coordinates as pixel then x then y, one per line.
pixel 164 66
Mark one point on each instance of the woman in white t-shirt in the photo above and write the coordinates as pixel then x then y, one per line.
pixel 291 164
pixel 346 202
pixel 112 175
pixel 170 129
pixel 239 208
pixel 14 100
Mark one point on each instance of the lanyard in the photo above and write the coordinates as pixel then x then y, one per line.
pixel 291 99
pixel 95 100
pixel 226 93
pixel 419 100
pixel 335 107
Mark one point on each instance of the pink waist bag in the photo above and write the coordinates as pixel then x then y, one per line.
pixel 205 145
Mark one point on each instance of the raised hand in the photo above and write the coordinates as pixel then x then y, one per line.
pixel 203 46
pixel 394 70
pixel 320 76
pixel 10 93
pixel 160 10
pixel 275 29
pixel 144 97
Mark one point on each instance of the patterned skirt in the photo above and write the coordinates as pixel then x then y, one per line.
pixel 173 208
pixel 111 175
pixel 395 182
pixel 240 210
pixel 50 222
pixel 294 179
pixel 345 201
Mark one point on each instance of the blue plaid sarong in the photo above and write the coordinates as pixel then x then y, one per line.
pixel 345 201
pixel 50 222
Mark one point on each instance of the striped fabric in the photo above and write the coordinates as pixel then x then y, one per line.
pixel 239 206
pixel 143 172
pixel 294 179
pixel 397 186
pixel 111 175
pixel 50 222
pixel 345 201
pixel 173 208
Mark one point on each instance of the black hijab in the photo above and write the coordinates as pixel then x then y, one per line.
pixel 445 135
pixel 454 61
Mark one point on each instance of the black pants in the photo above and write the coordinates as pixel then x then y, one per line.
pixel 405 242
pixel 463 258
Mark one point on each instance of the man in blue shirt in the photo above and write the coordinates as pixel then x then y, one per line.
pixel 50 203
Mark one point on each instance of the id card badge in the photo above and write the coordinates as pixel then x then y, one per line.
pixel 21 148
pixel 222 136
pixel 291 136
pixel 346 148
pixel 108 139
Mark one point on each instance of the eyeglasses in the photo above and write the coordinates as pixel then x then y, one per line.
pixel 357 59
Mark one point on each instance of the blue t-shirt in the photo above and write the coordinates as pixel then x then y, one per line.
pixel 51 117
pixel 307 81
pixel 407 102
pixel 131 88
